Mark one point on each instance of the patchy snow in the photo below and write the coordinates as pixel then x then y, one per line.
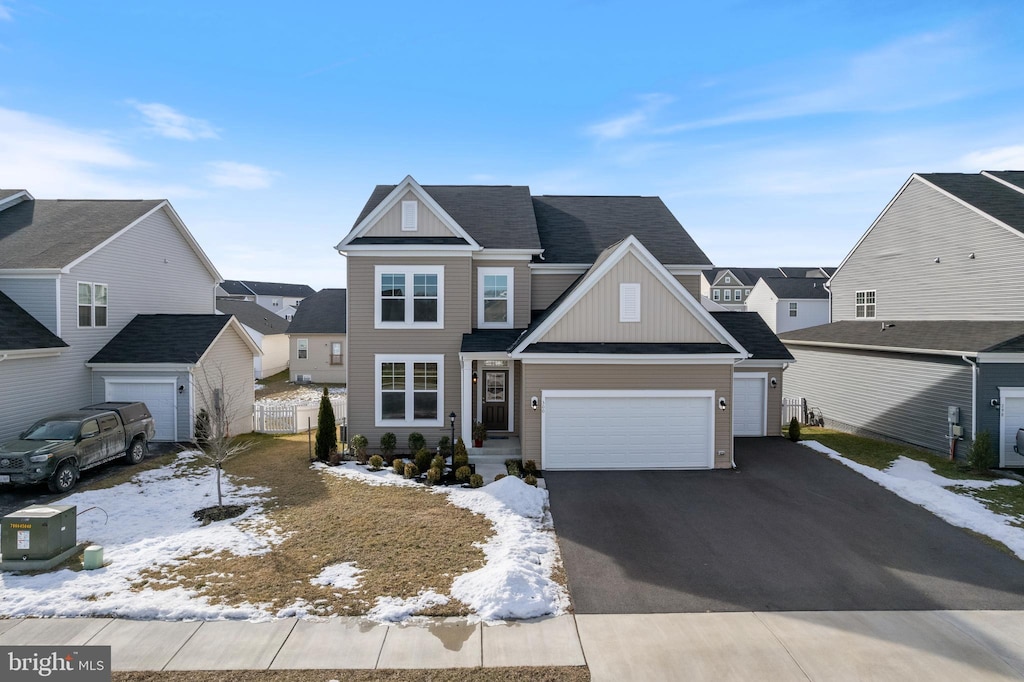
pixel 147 523
pixel 303 395
pixel 344 576
pixel 394 609
pixel 928 489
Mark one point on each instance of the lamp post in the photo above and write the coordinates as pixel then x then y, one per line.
pixel 451 418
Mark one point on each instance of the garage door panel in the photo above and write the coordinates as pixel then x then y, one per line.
pixel 1012 418
pixel 748 406
pixel 159 398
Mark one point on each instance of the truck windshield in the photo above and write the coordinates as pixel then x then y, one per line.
pixel 53 430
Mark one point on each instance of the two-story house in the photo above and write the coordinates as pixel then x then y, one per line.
pixel 317 340
pixel 926 343
pixel 111 300
pixel 788 303
pixel 731 287
pixel 267 330
pixel 569 324
pixel 280 298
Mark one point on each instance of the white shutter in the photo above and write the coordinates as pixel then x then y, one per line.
pixel 409 216
pixel 629 302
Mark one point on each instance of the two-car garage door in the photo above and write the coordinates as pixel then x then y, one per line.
pixel 628 429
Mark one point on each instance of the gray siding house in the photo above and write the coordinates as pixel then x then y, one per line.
pixel 926 343
pixel 73 276
pixel 280 298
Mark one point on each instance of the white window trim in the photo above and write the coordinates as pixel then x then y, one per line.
pixel 408 271
pixel 794 309
pixel 92 305
pixel 410 216
pixel 727 295
pixel 627 290
pixel 873 304
pixel 510 273
pixel 715 295
pixel 301 345
pixel 728 280
pixel 408 360
pixel 737 295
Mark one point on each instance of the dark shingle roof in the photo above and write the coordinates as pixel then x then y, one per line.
pixel 236 288
pixel 53 233
pixel 630 348
pixel 490 340
pixel 245 286
pixel 178 339
pixel 801 271
pixel 253 315
pixel 796 287
pixel 1012 177
pixel 987 195
pixel 21 331
pixel 746 276
pixel 956 336
pixel 496 216
pixel 322 313
pixel 5 193
pixel 576 229
pixel 753 334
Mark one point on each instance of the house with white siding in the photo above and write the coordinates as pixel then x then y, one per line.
pixel 926 343
pixel 731 287
pixel 788 303
pixel 267 330
pixel 110 300
pixel 280 298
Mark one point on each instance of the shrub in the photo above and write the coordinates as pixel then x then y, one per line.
pixel 530 467
pixel 462 474
pixel 398 465
pixel 334 459
pixel 445 446
pixel 358 446
pixel 433 475
pixel 376 462
pixel 476 481
pixel 514 460
pixel 981 457
pixel 498 477
pixel 513 468
pixel 460 459
pixel 460 451
pixel 416 441
pixel 422 459
pixel 479 431
pixel 530 480
pixel 411 470
pixel 794 430
pixel 388 443
pixel 437 462
pixel 326 429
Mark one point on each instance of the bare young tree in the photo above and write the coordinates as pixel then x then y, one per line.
pixel 222 405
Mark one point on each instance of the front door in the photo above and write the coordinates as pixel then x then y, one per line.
pixel 496 400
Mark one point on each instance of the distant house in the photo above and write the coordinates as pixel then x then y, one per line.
pixel 730 287
pixel 317 339
pixel 110 300
pixel 280 299
pixel 267 330
pixel 788 303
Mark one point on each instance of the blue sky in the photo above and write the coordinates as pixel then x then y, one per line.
pixel 776 132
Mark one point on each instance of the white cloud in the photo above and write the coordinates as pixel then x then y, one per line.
pixel 629 124
pixel 999 158
pixel 169 122
pixel 239 175
pixel 5 13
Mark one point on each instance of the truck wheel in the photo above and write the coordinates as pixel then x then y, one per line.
pixel 136 451
pixel 64 478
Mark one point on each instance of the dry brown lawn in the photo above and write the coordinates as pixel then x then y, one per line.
pixel 567 674
pixel 405 540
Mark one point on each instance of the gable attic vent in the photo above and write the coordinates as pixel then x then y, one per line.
pixel 409 209
pixel 629 302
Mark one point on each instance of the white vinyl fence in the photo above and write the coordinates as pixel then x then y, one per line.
pixel 270 418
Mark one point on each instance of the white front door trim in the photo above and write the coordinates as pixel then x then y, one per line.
pixel 1004 393
pixel 763 376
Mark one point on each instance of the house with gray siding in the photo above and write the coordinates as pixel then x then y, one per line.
pixel 926 342
pixel 732 287
pixel 74 276
pixel 280 298
pixel 569 326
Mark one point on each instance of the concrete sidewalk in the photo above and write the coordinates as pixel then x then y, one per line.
pixel 855 645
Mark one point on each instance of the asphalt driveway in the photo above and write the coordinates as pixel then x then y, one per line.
pixel 789 530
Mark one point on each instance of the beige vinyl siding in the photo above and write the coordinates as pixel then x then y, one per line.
pixel 692 283
pixel 546 288
pixel 364 342
pixel 897 260
pixel 227 365
pixel 595 317
pixel 37 297
pixel 540 377
pixel 318 358
pixel 899 396
pixel 520 290
pixel 427 223
pixel 774 417
pixel 275 355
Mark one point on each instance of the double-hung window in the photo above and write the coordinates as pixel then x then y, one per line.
pixel 866 304
pixel 715 294
pixel 92 305
pixel 737 294
pixel 792 308
pixel 301 349
pixel 495 298
pixel 728 294
pixel 409 296
pixel 410 390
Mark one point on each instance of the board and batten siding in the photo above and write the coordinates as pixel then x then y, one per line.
pixel 897 260
pixel 595 317
pixel 520 290
pixel 992 376
pixel 427 224
pixel 536 378
pixel 364 342
pixel 774 396
pixel 36 295
pixel 899 396
pixel 317 363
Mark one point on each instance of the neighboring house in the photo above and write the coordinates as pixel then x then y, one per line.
pixel 81 283
pixel 572 323
pixel 927 337
pixel 788 303
pixel 280 299
pixel 730 287
pixel 317 339
pixel 267 330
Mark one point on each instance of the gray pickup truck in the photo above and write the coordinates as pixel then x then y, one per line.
pixel 57 448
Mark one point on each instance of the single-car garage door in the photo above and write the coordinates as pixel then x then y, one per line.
pixel 159 397
pixel 628 429
pixel 748 404
pixel 1011 418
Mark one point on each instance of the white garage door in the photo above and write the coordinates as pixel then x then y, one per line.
pixel 1011 410
pixel 159 398
pixel 627 429
pixel 748 405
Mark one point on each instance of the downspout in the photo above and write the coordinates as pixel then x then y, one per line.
pixel 974 403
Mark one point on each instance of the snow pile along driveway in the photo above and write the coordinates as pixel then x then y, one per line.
pixel 917 482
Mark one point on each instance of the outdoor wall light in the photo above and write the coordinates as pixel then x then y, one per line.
pixel 533 402
pixel 474 378
pixel 994 402
pixel 181 389
pixel 721 403
pixel 938 260
pixel 774 382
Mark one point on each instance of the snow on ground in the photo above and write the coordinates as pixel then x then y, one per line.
pixel 515 582
pixel 147 523
pixel 343 576
pixel 303 395
pixel 918 483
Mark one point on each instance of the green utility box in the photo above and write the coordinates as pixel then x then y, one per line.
pixel 38 532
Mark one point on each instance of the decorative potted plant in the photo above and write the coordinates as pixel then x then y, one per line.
pixel 479 434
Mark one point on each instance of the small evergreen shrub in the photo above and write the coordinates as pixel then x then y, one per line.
pixel 422 459
pixel 530 479
pixel 445 446
pixel 794 430
pixel 433 475
pixel 388 443
pixel 411 470
pixel 460 459
pixel 416 441
pixel 982 457
pixel 530 467
pixel 462 474
pixel 513 468
pixel 498 477
pixel 358 446
pixel 398 465
pixel 376 462
pixel 437 463
pixel 513 460
pixel 326 429
pixel 476 481
pixel 460 451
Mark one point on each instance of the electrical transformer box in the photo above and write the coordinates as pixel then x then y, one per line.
pixel 38 532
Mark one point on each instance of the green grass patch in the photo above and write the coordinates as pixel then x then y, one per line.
pixel 1002 499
